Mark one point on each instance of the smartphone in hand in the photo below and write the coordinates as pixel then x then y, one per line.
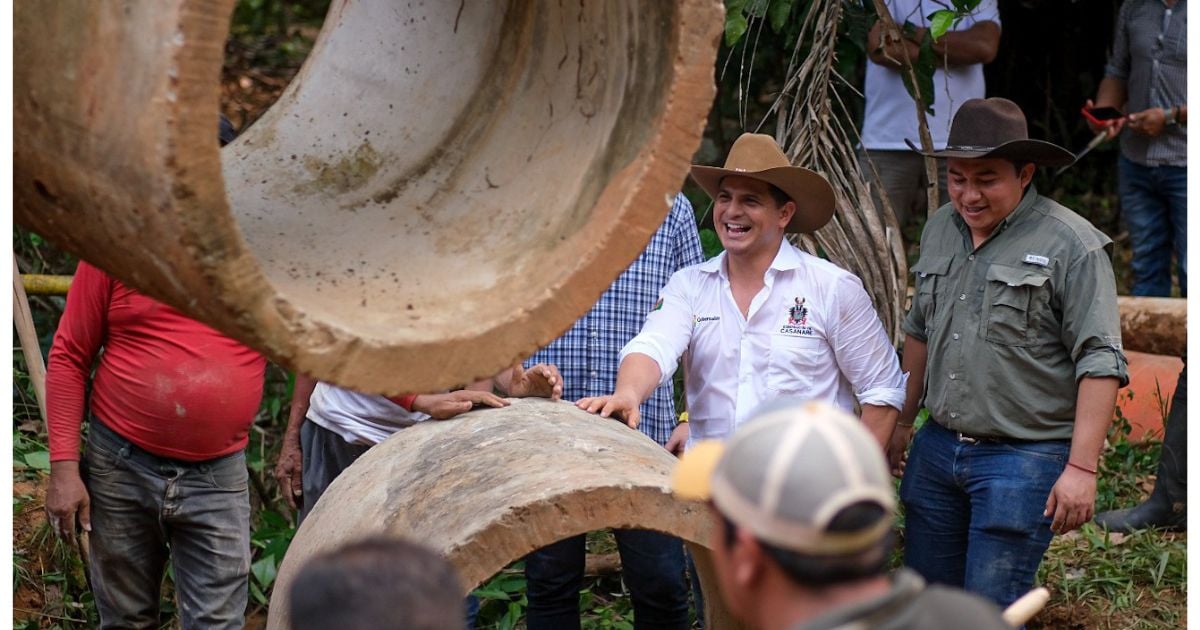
pixel 1102 115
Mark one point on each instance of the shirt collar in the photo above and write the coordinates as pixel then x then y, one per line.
pixel 786 258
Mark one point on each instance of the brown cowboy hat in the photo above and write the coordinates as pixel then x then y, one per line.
pixel 995 128
pixel 758 156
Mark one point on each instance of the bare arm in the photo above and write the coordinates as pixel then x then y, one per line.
pixel 1072 500
pixel 977 44
pixel 637 378
pixel 880 421
pixel 891 55
pixel 289 467
pixel 916 353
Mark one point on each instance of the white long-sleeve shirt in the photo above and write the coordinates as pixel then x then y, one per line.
pixel 811 333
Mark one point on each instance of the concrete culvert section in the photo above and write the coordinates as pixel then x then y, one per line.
pixel 490 486
pixel 444 187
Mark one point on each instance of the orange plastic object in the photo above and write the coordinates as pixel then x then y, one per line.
pixel 1147 399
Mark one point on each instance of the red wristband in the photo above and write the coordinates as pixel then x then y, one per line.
pixel 404 401
pixel 1086 470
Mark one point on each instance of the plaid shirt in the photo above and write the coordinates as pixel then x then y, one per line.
pixel 1150 55
pixel 587 354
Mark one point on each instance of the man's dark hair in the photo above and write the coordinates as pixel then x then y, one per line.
pixel 820 571
pixel 377 583
pixel 1019 165
pixel 778 195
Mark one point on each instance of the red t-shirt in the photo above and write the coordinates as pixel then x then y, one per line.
pixel 167 383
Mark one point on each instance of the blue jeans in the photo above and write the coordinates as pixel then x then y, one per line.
pixel 652 566
pixel 1154 204
pixel 146 508
pixel 973 512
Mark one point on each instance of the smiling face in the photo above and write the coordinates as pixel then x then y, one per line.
pixel 985 191
pixel 748 220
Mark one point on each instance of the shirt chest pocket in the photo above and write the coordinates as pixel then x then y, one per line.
pixel 793 362
pixel 1014 297
pixel 931 280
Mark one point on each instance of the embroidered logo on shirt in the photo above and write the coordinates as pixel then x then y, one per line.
pixel 797 321
pixel 1034 259
pixel 798 314
pixel 700 319
pixel 657 305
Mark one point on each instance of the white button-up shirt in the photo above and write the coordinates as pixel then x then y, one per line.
pixel 811 333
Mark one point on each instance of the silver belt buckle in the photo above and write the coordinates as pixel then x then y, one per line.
pixel 966 438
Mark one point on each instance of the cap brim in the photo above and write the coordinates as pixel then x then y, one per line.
pixel 1039 152
pixel 811 192
pixel 691 479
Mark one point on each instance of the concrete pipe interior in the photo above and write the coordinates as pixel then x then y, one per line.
pixel 495 484
pixel 444 187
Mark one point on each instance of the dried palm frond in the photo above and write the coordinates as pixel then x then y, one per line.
pixel 810 127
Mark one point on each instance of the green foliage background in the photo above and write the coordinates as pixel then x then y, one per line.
pixel 1050 60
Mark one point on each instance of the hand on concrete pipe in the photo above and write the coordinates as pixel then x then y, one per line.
pixel 446 406
pixel 540 381
pixel 618 405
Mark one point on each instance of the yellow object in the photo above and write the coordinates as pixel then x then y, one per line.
pixel 683 418
pixel 691 479
pixel 37 284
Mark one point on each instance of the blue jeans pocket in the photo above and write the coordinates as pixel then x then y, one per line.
pixel 101 459
pixel 229 474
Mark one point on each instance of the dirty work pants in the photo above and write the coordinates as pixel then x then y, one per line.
pixel 146 508
pixel 973 512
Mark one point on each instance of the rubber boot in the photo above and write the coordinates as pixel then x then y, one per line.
pixel 1167 506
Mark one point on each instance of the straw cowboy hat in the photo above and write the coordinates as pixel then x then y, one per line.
pixel 995 128
pixel 758 156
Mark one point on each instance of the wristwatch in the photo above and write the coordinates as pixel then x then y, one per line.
pixel 1173 118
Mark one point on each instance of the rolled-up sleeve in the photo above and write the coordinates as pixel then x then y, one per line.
pixel 1091 323
pixel 864 355
pixel 668 328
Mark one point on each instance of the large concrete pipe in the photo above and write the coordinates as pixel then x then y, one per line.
pixel 445 186
pixel 490 486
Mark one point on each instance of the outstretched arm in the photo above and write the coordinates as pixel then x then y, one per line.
pixel 637 378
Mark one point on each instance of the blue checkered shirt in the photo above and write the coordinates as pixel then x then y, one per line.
pixel 587 354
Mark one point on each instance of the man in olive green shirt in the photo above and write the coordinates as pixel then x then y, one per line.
pixel 1015 339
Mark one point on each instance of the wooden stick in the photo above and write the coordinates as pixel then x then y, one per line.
pixel 1026 607
pixel 891 34
pixel 23 319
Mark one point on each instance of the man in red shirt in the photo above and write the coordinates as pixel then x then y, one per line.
pixel 164 472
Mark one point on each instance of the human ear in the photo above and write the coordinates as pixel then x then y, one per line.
pixel 786 213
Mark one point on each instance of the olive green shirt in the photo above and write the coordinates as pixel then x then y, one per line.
pixel 911 605
pixel 1011 327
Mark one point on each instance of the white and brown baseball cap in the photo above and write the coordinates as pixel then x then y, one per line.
pixel 788 472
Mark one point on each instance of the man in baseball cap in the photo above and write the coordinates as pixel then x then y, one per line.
pixel 804 507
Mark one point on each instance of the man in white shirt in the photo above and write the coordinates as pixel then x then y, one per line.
pixel 763 319
pixel 890 115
